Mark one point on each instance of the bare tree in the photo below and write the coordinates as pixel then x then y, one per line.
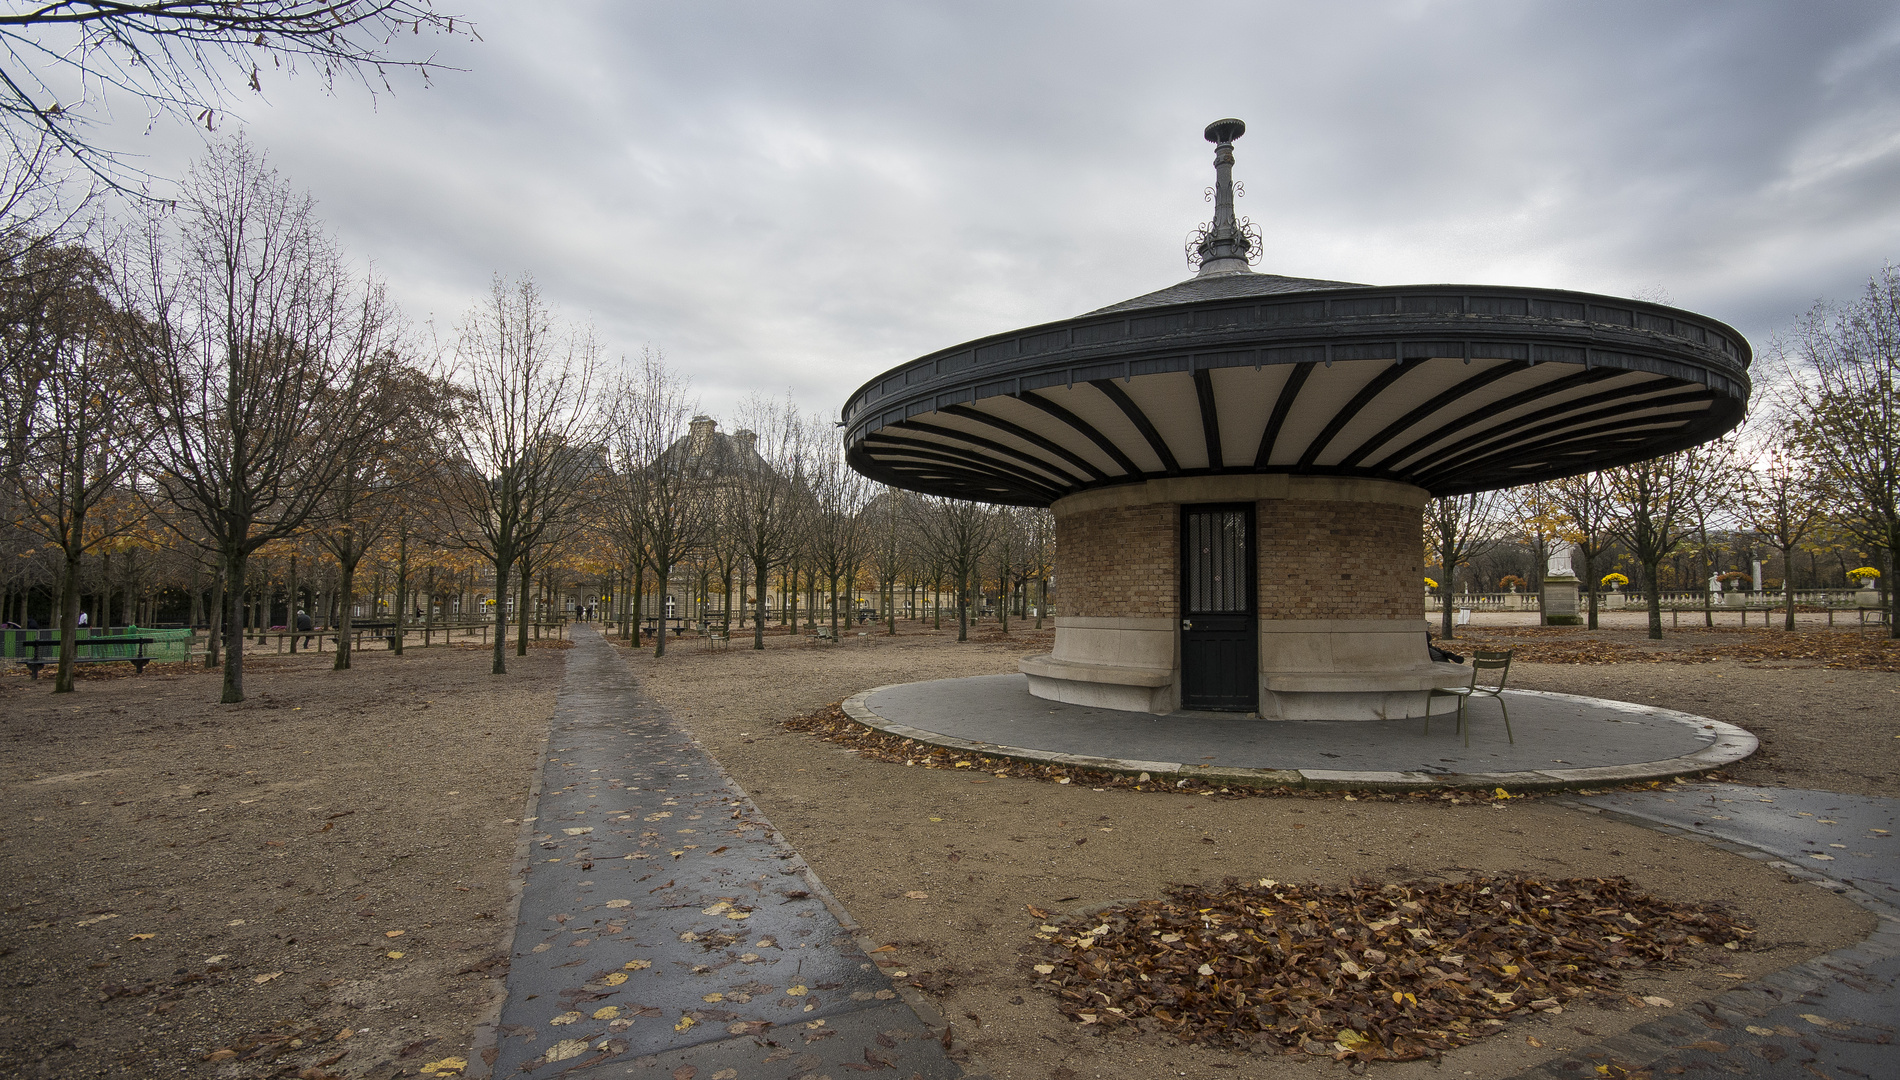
pixel 1783 498
pixel 1846 406
pixel 1585 504
pixel 886 541
pixel 839 532
pixel 527 391
pixel 666 466
pixel 1460 528
pixel 762 505
pixel 256 350
pixel 1712 475
pixel 957 534
pixel 180 58
pixel 1651 502
pixel 369 502
pixel 1039 553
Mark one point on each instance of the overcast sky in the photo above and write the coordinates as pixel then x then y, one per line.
pixel 796 196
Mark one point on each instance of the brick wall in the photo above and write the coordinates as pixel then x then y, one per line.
pixel 1318 559
pixel 1119 562
pixel 1339 560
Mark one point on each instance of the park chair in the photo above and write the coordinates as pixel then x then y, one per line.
pixel 1480 662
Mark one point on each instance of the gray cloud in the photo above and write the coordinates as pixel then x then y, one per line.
pixel 799 195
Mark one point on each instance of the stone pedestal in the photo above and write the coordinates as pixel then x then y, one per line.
pixel 1341 633
pixel 1560 602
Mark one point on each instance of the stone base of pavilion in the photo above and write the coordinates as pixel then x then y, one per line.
pixel 1562 741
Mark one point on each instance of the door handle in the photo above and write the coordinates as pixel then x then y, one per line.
pixel 1187 624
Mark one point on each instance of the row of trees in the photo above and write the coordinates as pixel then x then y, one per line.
pixel 1815 470
pixel 212 384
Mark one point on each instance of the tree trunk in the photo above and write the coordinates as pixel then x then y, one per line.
pixel 1655 599
pixel 522 614
pixel 663 574
pixel 832 581
pixel 235 563
pixel 760 574
pixel 345 646
pixel 428 613
pixel 214 629
pixel 503 563
pixel 402 589
pixel 639 598
pixel 963 606
pixel 290 624
pixel 68 621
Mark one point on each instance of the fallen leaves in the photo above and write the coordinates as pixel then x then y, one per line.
pixel 831 724
pixel 266 977
pixel 1556 645
pixel 1392 972
pixel 450 1066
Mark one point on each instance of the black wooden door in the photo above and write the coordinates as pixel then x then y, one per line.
pixel 1219 657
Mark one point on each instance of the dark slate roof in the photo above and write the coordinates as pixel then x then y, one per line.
pixel 1225 287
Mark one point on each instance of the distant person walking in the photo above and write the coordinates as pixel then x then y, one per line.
pixel 82 618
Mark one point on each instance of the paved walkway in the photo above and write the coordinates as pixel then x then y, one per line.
pixel 1561 740
pixel 664 923
pixel 1834 1016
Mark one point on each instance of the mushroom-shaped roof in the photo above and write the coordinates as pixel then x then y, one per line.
pixel 1451 388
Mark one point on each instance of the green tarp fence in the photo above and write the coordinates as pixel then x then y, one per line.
pixel 167 645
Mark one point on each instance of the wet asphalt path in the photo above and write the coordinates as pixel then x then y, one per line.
pixel 1836 1016
pixel 664 923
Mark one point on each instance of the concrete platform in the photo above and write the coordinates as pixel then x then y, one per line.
pixel 1563 741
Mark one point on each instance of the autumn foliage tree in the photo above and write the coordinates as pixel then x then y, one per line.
pixel 1845 406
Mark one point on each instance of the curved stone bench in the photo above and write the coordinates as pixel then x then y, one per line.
pixel 1357 695
pixel 1101 686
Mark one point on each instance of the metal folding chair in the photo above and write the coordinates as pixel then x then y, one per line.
pixel 1480 662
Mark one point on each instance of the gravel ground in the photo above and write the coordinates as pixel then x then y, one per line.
pixel 269 849
pixel 981 848
pixel 187 879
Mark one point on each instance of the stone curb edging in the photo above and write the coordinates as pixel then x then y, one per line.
pixel 1730 744
pixel 1649 1042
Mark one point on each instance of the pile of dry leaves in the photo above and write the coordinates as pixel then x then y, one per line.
pixel 1543 645
pixel 1368 971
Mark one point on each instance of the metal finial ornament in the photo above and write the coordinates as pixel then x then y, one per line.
pixel 1226 245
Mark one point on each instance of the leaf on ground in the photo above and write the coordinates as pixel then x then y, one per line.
pixel 566 1048
pixel 1290 966
pixel 266 977
pixel 449 1066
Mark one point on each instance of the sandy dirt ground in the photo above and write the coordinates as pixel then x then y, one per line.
pixel 982 848
pixel 246 883
pixel 188 881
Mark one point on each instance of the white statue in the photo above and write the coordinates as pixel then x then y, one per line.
pixel 1560 562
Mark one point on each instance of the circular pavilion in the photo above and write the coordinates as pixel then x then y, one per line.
pixel 1237 463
